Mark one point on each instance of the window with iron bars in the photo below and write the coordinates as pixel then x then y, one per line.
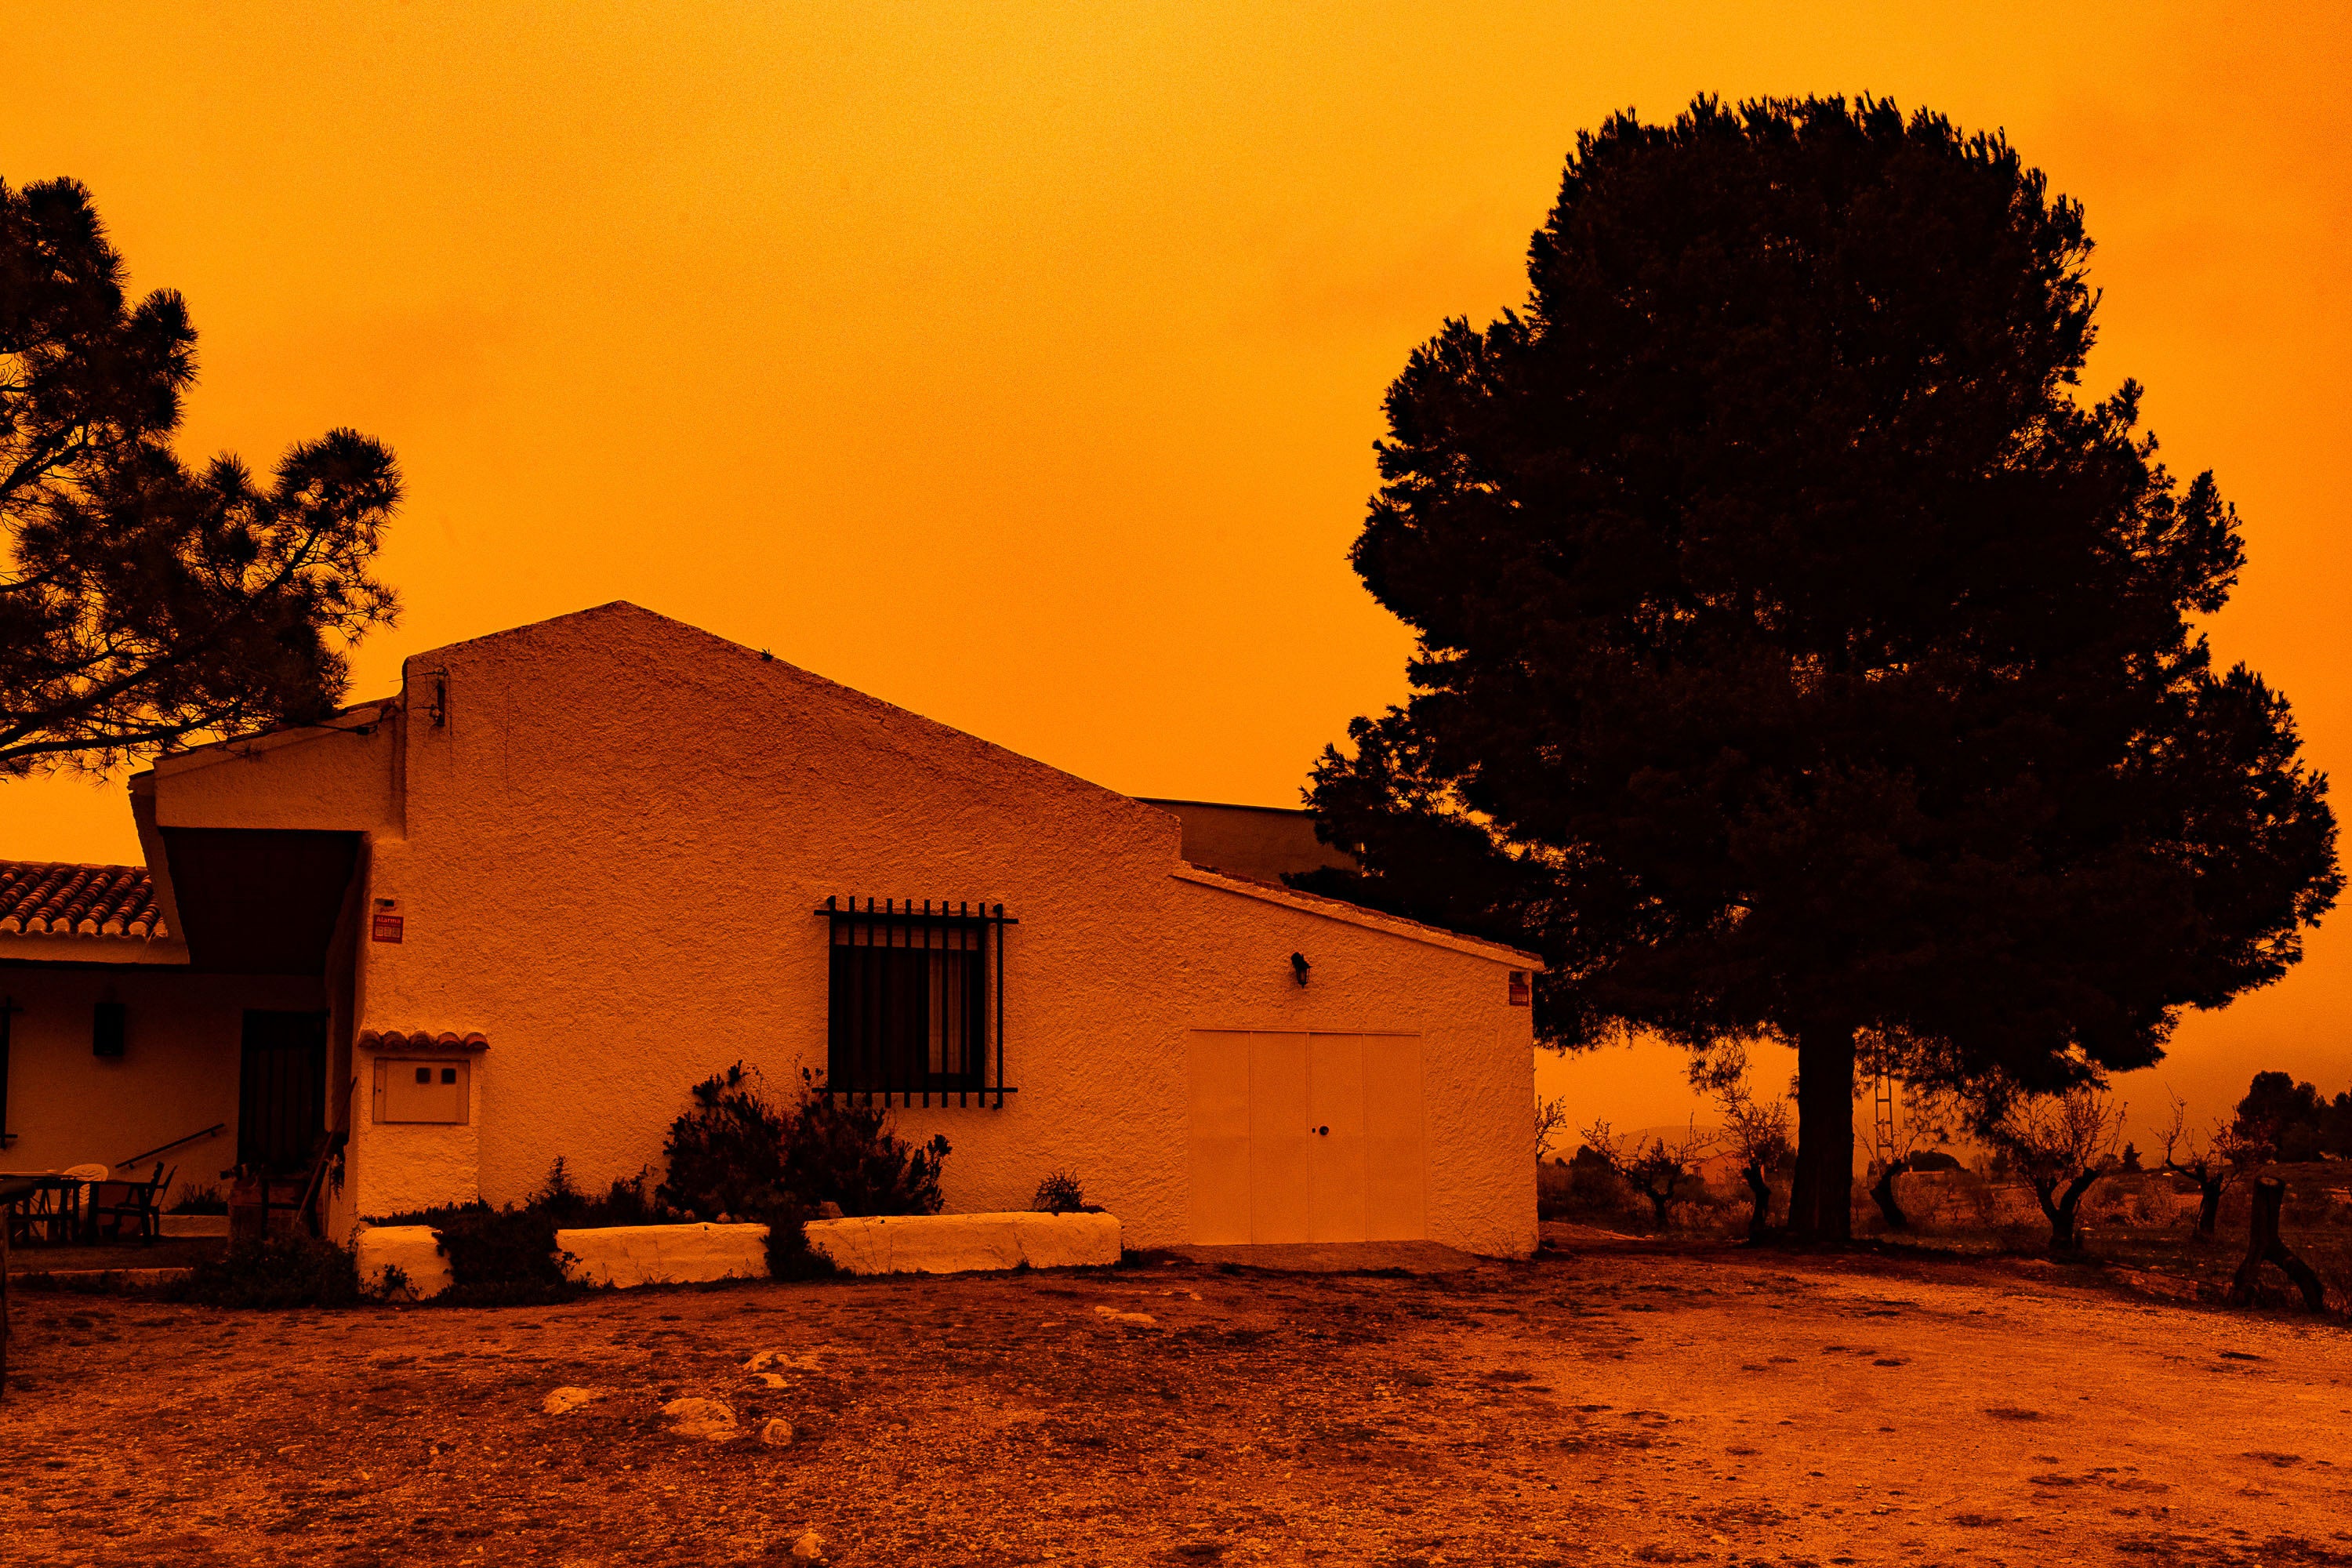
pixel 917 1004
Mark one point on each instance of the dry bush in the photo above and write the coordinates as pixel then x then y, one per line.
pixel 2061 1145
pixel 1551 1121
pixel 2216 1160
pixel 1585 1190
pixel 1661 1173
pixel 1756 1132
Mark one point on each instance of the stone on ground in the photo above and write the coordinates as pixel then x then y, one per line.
pixel 711 1420
pixel 566 1399
pixel 809 1548
pixel 777 1433
pixel 1140 1319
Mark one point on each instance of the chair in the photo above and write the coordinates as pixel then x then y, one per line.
pixel 34 1216
pixel 74 1201
pixel 143 1201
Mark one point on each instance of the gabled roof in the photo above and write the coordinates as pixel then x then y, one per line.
pixel 63 899
pixel 755 674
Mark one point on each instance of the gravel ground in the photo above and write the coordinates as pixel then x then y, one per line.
pixel 1600 1405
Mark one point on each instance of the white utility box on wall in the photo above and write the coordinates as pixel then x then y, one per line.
pixel 432 1090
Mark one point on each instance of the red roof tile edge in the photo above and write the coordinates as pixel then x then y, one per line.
pixel 55 897
pixel 421 1040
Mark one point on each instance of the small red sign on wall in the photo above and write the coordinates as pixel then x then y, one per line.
pixel 1519 990
pixel 385 929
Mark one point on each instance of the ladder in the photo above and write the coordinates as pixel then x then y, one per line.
pixel 1885 1120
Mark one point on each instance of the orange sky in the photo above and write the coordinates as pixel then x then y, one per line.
pixel 1021 364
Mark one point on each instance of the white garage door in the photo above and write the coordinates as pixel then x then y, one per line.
pixel 1306 1137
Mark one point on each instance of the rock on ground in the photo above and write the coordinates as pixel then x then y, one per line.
pixel 711 1420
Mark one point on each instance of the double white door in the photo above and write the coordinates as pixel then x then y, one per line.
pixel 1306 1137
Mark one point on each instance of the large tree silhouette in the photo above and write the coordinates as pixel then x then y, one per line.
pixel 1799 655
pixel 143 602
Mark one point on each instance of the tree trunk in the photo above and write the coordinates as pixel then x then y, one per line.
pixel 1659 1201
pixel 2263 1246
pixel 2209 1204
pixel 1760 1224
pixel 1882 1193
pixel 2061 1217
pixel 1821 1196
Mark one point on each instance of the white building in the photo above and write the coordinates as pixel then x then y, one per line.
pixel 571 869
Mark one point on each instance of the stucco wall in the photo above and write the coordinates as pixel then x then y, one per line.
pixel 340 775
pixel 178 1072
pixel 616 845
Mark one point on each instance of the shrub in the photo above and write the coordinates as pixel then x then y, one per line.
pixel 558 1195
pixel 1592 1186
pixel 206 1199
pixel 1552 1195
pixel 1699 1208
pixel 624 1202
pixel 843 1154
pixel 790 1256
pixel 498 1256
pixel 501 1257
pixel 1059 1194
pixel 737 1152
pixel 726 1151
pixel 284 1268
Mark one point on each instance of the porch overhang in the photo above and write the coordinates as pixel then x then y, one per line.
pixel 259 900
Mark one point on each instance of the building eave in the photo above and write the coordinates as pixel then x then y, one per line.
pixel 1358 915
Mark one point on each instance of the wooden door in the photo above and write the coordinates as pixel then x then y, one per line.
pixel 1281 1146
pixel 1304 1137
pixel 1335 1110
pixel 1219 1134
pixel 1396 1161
pixel 282 1100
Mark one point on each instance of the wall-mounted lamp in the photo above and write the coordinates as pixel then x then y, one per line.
pixel 107 1029
pixel 1299 967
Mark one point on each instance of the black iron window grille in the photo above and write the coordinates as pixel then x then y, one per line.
pixel 917 1007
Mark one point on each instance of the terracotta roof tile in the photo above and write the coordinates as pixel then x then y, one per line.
pixel 52 897
pixel 421 1040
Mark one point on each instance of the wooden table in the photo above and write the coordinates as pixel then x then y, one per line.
pixel 62 1213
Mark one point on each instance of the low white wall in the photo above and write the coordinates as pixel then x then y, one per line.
pixel 625 1255
pixel 629 1255
pixel 413 1249
pixel 958 1243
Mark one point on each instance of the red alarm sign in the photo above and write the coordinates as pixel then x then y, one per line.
pixel 1520 990
pixel 386 928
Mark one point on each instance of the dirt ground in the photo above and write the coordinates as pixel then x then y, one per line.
pixel 1598 1404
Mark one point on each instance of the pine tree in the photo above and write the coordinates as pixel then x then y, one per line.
pixel 143 602
pixel 1800 655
